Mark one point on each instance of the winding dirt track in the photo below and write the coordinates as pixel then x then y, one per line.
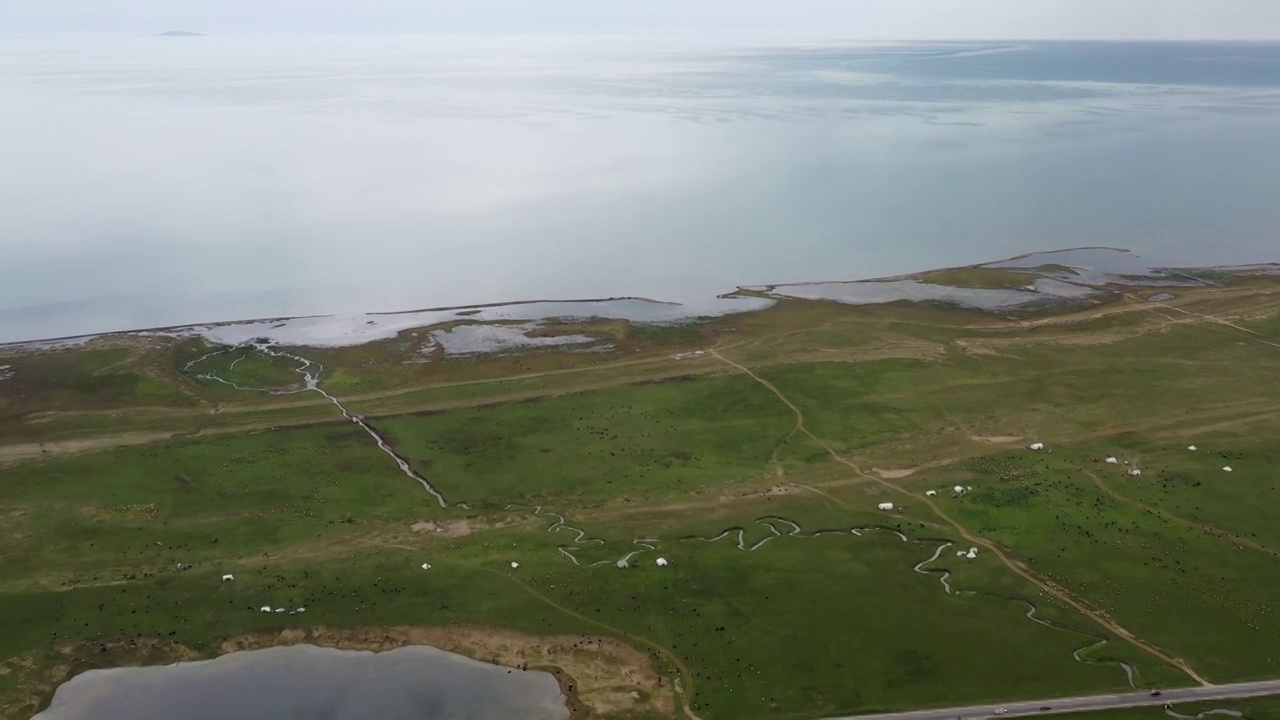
pixel 1017 568
pixel 1152 306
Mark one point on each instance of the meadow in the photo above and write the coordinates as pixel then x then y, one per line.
pixel 132 478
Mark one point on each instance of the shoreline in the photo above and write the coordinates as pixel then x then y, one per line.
pixel 740 292
pixel 764 293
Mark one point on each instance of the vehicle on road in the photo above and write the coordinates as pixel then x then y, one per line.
pixel 1156 693
pixel 1046 708
pixel 1001 711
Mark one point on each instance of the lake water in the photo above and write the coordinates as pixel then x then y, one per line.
pixel 303 682
pixel 158 181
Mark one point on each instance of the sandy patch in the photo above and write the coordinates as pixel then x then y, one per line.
pixel 895 474
pixel 10 453
pixel 996 439
pixel 771 492
pixel 446 528
pixel 977 349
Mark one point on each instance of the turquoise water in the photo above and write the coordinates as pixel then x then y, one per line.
pixel 164 181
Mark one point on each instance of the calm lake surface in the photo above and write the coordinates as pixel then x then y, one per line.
pixel 309 683
pixel 154 181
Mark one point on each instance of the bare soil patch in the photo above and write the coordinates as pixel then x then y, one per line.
pixel 444 528
pixel 976 348
pixel 996 439
pixel 895 474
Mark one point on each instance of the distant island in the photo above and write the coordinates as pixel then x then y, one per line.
pixel 179 33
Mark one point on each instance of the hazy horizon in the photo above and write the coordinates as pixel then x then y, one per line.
pixel 715 36
pixel 869 19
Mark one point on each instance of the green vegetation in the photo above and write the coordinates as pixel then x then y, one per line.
pixel 129 484
pixel 979 277
pixel 1055 268
pixel 646 441
pixel 1175 585
pixel 248 368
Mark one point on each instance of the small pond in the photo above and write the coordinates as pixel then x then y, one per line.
pixel 304 682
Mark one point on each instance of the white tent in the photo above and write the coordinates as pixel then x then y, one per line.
pixel 265 608
pixel 662 562
pixel 1036 446
pixel 886 506
pixel 225 578
pixel 959 489
pixel 973 553
pixel 1112 461
pixel 931 493
pixel 1192 448
pixel 426 566
pixel 1227 469
pixel 515 565
pixel 301 610
pixel 279 610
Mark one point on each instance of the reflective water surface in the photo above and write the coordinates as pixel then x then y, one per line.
pixel 304 682
pixel 171 181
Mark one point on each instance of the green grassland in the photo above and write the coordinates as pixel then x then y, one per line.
pixel 1178 586
pixel 151 482
pixel 979 277
pixel 645 441
pixel 246 367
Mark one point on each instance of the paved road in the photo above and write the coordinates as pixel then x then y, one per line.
pixel 1082 704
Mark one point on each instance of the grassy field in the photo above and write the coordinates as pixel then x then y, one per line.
pixel 646 442
pixel 245 367
pixel 979 277
pixel 129 484
pixel 1178 586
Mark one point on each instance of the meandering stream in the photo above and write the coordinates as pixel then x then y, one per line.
pixel 310 372
pixel 790 528
pixel 944 575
